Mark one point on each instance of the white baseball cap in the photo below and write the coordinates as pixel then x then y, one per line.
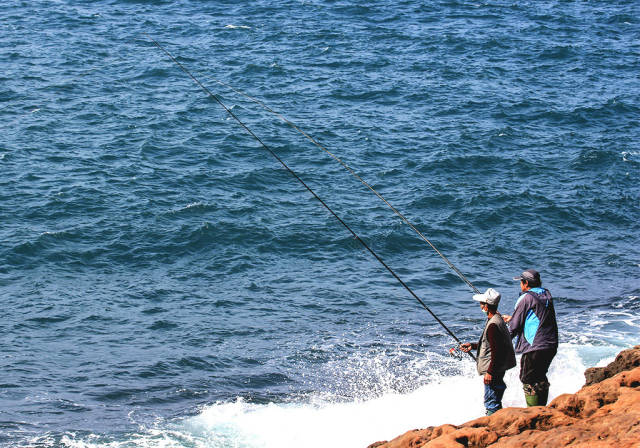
pixel 490 297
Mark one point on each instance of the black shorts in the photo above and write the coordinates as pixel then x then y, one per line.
pixel 534 365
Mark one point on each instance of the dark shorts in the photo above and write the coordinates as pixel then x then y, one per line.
pixel 534 365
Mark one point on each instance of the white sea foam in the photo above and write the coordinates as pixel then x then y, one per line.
pixel 316 422
pixel 242 27
pixel 186 207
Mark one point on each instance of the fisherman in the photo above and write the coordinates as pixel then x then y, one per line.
pixel 495 353
pixel 535 328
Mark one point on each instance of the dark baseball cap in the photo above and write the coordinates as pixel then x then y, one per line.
pixel 528 275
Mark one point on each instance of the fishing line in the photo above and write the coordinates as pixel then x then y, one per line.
pixel 365 183
pixel 324 204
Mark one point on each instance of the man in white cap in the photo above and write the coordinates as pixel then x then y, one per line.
pixel 494 351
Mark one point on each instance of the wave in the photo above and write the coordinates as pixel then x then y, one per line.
pixel 233 27
pixel 318 420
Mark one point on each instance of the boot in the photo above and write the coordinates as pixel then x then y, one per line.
pixel 543 393
pixel 531 395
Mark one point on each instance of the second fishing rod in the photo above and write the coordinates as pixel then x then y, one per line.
pixel 324 204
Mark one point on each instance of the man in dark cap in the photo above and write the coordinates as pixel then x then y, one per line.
pixel 534 326
pixel 495 352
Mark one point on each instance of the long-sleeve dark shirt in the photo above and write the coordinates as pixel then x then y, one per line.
pixel 497 355
pixel 534 321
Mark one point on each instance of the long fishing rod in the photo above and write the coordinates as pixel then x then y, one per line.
pixel 365 183
pixel 293 173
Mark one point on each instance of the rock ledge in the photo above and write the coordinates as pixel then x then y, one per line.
pixel 604 413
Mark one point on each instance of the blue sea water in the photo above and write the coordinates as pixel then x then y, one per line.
pixel 166 283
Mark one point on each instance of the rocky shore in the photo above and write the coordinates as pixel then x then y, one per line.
pixel 604 413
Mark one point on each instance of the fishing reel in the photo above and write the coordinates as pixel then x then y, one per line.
pixel 455 352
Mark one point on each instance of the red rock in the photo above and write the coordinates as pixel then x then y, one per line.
pixel 626 360
pixel 602 414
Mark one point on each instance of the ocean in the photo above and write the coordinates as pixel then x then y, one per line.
pixel 165 282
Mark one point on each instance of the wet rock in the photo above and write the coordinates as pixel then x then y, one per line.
pixel 626 360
